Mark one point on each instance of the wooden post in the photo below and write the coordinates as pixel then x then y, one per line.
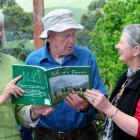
pixel 38 8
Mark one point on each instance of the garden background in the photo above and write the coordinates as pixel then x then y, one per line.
pixel 103 21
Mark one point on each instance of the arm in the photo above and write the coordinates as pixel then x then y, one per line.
pixel 137 116
pixel 126 122
pixel 28 115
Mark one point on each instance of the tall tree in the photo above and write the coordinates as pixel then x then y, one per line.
pixel 18 23
pixel 89 20
pixel 106 34
pixel 6 2
pixel 94 13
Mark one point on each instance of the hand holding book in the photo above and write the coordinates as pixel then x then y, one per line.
pixel 77 102
pixel 11 89
pixel 37 111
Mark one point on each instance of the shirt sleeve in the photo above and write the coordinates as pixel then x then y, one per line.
pixel 27 118
pixel 23 116
pixel 96 79
pixel 137 116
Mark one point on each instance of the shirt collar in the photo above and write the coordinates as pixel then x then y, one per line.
pixel 45 54
pixel 136 81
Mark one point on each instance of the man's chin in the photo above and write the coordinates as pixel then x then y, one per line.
pixel 69 52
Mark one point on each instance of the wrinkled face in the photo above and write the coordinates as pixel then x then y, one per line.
pixel 62 43
pixel 125 50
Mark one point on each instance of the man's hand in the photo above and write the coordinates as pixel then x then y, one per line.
pixel 11 89
pixel 77 102
pixel 37 111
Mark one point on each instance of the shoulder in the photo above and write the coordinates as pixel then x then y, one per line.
pixel 35 55
pixel 84 51
pixel 8 58
pixel 36 52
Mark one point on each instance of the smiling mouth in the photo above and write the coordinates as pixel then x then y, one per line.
pixel 120 53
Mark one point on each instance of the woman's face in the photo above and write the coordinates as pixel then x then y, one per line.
pixel 125 50
pixel 62 43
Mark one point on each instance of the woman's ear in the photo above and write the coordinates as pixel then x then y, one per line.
pixel 137 51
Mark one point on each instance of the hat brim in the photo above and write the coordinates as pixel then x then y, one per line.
pixel 61 28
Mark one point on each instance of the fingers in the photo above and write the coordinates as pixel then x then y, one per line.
pixel 42 110
pixel 73 100
pixel 92 96
pixel 15 80
pixel 17 91
pixel 77 102
pixel 12 89
pixel 47 111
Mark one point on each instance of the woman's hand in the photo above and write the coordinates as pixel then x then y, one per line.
pixel 98 100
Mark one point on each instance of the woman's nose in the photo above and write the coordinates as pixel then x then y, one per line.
pixel 117 46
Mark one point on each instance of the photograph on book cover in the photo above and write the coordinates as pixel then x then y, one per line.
pixel 62 85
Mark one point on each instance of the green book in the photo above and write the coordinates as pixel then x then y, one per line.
pixel 50 86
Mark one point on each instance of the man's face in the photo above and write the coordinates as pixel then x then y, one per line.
pixel 1 35
pixel 62 43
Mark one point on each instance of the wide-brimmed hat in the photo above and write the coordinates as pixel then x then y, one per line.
pixel 59 20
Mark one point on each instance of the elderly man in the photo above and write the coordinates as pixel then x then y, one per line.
pixel 71 120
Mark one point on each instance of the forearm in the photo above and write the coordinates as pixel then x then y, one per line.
pixel 126 122
pixel 2 99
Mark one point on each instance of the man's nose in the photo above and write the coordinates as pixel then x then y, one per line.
pixel 72 39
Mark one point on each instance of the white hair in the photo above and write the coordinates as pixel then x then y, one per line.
pixel 133 31
pixel 2 44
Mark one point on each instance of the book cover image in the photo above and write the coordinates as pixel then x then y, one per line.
pixel 50 86
pixel 68 80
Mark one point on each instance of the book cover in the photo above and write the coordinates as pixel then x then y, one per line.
pixel 50 86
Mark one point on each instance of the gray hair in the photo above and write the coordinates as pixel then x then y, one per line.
pixel 133 31
pixel 2 41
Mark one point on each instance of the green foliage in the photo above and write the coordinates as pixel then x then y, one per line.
pixel 6 2
pixel 96 4
pixel 18 23
pixel 83 37
pixel 94 13
pixel 19 49
pixel 89 20
pixel 106 34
